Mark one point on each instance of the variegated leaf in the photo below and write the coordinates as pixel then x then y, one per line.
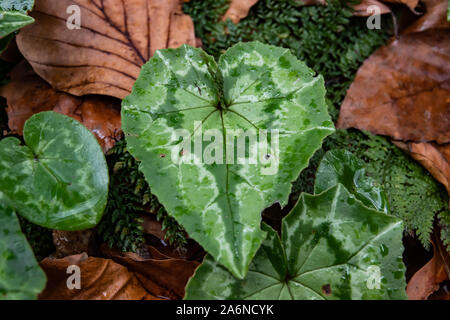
pixel 254 88
pixel 59 178
pixel 331 247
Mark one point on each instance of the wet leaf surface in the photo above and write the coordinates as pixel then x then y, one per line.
pixel 429 277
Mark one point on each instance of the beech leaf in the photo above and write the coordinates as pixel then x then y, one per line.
pixel 254 87
pixel 104 53
pixel 20 275
pixel 331 247
pixel 59 179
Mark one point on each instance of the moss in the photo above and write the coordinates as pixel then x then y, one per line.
pixel 129 197
pixel 39 238
pixel 327 38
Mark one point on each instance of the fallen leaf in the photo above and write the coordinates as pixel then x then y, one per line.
pixel 101 279
pixel 238 10
pixel 403 90
pixel 162 276
pixel 105 55
pixel 427 280
pixel 412 4
pixel 27 94
pixel 360 9
pixel 434 17
pixel 435 158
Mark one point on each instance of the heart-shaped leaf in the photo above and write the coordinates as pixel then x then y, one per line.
pixel 257 91
pixel 332 247
pixel 341 166
pixel 20 275
pixel 59 179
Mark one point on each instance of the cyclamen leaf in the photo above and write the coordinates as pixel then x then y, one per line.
pixel 332 247
pixel 253 87
pixel 341 166
pixel 59 179
pixel 11 21
pixel 20 275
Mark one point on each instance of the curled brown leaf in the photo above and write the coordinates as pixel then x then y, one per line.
pixel 427 280
pixel 434 17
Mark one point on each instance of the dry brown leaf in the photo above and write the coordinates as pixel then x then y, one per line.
pixel 434 17
pixel 28 94
pixel 161 275
pixel 103 57
pixel 427 280
pixel 412 4
pixel 238 10
pixel 101 279
pixel 435 158
pixel 403 90
pixel 360 9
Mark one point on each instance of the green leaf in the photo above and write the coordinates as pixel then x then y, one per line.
pixel 341 166
pixel 59 179
pixel 11 21
pixel 20 275
pixel 254 87
pixel 332 247
pixel 18 5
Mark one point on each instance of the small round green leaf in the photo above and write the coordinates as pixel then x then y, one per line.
pixel 331 247
pixel 59 179
pixel 20 275
pixel 256 90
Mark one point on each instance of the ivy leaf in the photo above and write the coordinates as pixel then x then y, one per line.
pixel 59 179
pixel 11 21
pixel 332 247
pixel 20 275
pixel 254 87
pixel 341 166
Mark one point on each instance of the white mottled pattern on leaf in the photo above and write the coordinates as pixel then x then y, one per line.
pixel 257 87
